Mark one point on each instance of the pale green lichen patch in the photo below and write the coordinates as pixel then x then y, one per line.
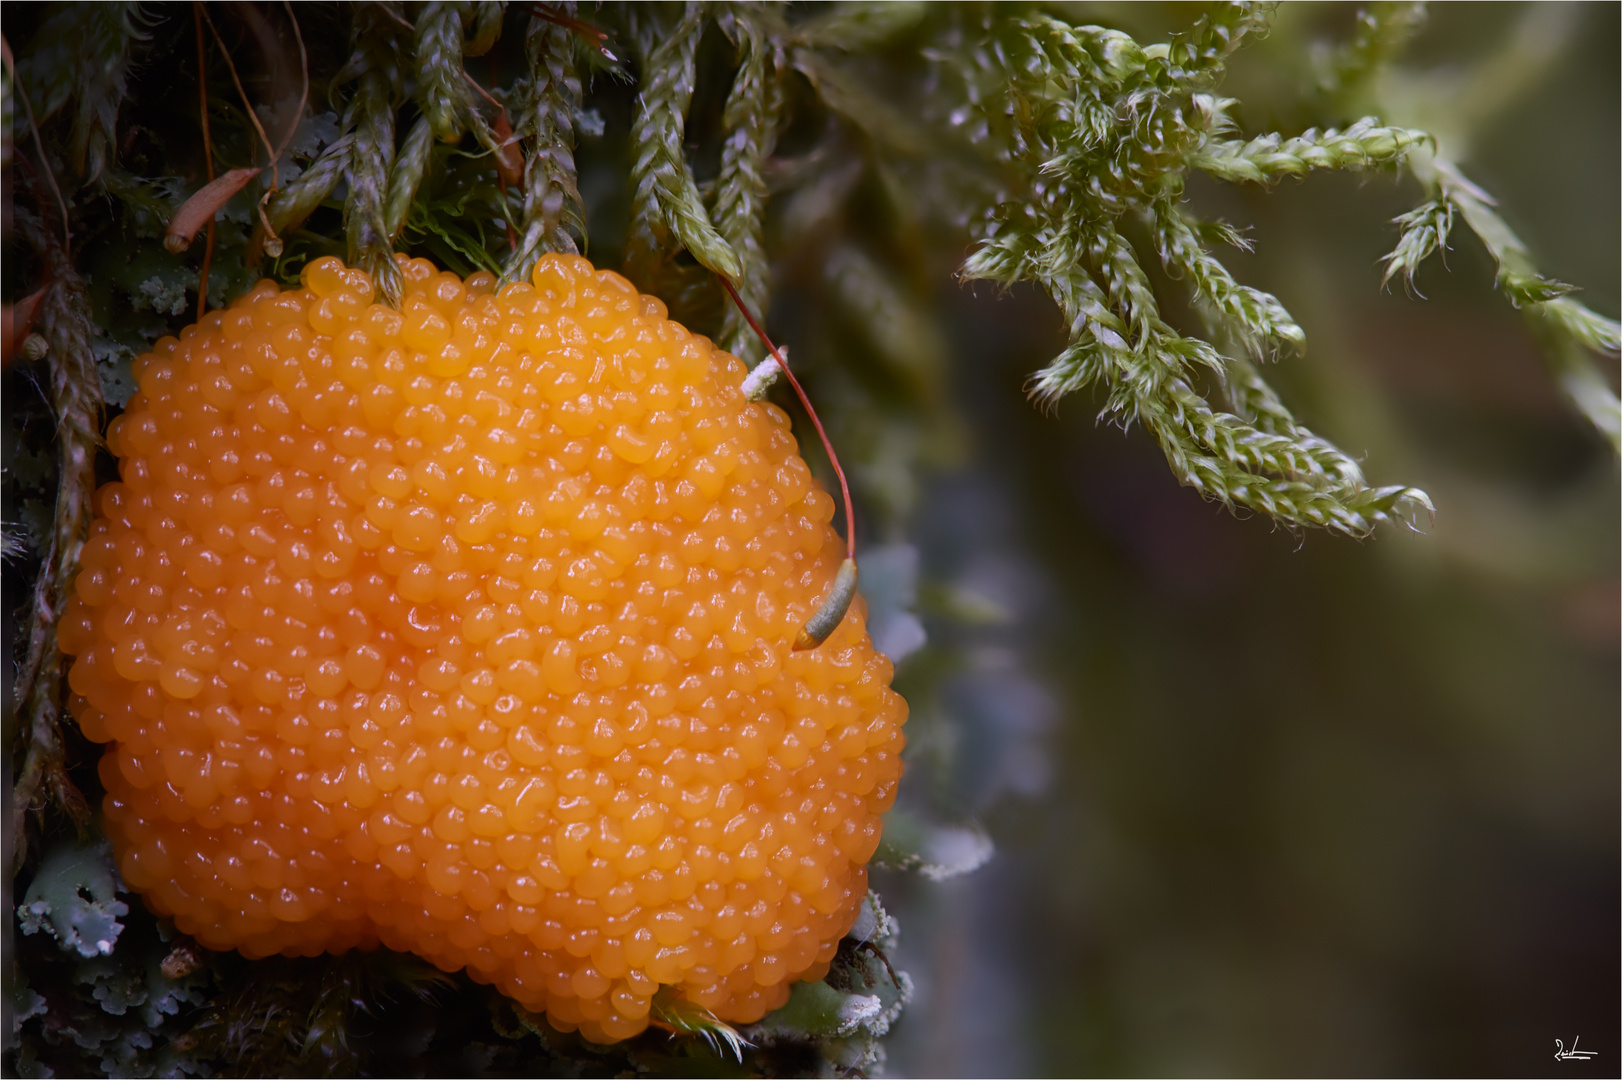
pixel 73 898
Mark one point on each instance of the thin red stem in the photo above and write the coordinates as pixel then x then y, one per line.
pixel 39 145
pixel 247 105
pixel 584 29
pixel 208 155
pixel 471 81
pixel 396 16
pixel 304 89
pixel 799 391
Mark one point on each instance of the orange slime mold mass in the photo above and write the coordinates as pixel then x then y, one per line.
pixel 465 629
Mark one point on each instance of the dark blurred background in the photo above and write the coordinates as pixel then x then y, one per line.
pixel 1272 803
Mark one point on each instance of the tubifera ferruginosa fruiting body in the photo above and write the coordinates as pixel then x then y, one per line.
pixel 465 629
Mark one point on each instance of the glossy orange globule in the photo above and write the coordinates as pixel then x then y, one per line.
pixel 465 629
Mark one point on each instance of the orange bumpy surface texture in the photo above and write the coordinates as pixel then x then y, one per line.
pixel 465 629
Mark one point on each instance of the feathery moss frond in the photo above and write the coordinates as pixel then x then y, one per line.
pixel 443 94
pixel 1565 332
pixel 406 175
pixel 1204 50
pixel 486 18
pixel 1569 329
pixel 81 58
pixel 750 122
pixel 1383 29
pixel 1365 144
pixel 370 117
pixel 554 215
pixel 1424 230
pixel 297 200
pixel 1591 330
pixel 1517 274
pixel 667 209
pixel 63 321
pixel 1102 127
pixel 109 29
pixel 1256 318
pixel 683 1017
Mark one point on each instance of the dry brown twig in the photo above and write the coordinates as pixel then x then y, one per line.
pixel 203 206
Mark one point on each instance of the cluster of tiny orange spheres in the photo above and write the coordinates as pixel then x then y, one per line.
pixel 465 629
